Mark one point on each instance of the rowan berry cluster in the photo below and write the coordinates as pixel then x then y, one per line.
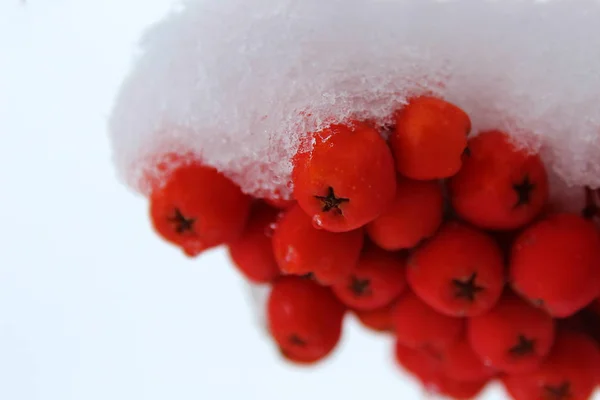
pixel 447 241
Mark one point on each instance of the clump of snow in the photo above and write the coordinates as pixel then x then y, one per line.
pixel 237 82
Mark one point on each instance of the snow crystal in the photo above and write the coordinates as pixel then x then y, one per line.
pixel 237 82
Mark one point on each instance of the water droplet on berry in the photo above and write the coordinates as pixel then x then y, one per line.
pixel 317 221
pixel 269 229
pixel 291 255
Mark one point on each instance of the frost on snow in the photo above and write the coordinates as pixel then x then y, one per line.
pixel 237 82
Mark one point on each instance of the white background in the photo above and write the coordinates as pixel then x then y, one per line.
pixel 92 304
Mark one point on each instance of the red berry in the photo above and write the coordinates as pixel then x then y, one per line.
pixel 305 319
pixel 555 263
pixel 569 372
pixel 379 320
pixel 347 179
pixel 427 368
pixel 516 388
pixel 513 337
pixel 423 365
pixel 430 137
pixel 302 249
pixel 459 390
pixel 460 363
pixel 419 326
pixel 499 186
pixel 415 214
pixel 459 272
pixel 252 252
pixel 199 208
pixel 299 361
pixel 377 280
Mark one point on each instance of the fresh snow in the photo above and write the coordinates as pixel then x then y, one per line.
pixel 238 82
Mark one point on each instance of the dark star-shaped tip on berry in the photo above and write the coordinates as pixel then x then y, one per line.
pixel 331 202
pixel 523 190
pixel 360 287
pixel 523 347
pixel 467 289
pixel 467 152
pixel 558 392
pixel 182 224
pixel 297 341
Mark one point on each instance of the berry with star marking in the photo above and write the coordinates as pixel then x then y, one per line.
pixel 302 249
pixel 499 186
pixel 377 280
pixel 513 337
pixel 568 373
pixel 304 318
pixel 555 263
pixel 459 272
pixel 346 178
pixel 198 208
